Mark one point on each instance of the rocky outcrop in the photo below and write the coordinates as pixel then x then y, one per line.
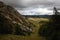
pixel 12 22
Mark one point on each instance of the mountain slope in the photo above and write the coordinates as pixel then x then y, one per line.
pixel 12 22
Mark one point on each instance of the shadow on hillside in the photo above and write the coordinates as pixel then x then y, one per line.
pixel 51 30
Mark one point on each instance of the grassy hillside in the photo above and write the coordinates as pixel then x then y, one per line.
pixel 37 22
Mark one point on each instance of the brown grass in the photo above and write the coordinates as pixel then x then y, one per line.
pixel 35 21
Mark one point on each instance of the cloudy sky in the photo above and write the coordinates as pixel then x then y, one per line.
pixel 34 7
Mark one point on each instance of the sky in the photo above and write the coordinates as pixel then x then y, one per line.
pixel 34 7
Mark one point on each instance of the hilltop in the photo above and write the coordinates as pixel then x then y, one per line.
pixel 12 22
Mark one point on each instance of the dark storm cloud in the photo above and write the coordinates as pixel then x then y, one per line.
pixel 32 3
pixel 35 6
pixel 27 3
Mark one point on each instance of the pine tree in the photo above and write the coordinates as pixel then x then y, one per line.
pixel 56 24
pixel 51 30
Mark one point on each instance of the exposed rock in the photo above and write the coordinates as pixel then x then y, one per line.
pixel 12 22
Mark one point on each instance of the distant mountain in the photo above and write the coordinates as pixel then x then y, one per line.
pixel 38 16
pixel 12 22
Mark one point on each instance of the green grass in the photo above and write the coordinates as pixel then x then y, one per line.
pixel 35 21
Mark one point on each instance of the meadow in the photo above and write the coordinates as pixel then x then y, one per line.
pixel 37 22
